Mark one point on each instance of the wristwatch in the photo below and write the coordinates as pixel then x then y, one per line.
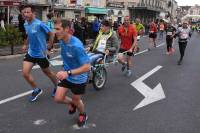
pixel 69 72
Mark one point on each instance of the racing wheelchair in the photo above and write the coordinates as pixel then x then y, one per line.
pixel 98 72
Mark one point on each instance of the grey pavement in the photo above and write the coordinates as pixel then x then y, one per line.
pixel 111 109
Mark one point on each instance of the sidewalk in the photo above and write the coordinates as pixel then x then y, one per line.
pixel 5 52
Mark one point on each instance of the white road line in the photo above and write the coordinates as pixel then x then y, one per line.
pixel 29 92
pixel 146 50
pixel 15 97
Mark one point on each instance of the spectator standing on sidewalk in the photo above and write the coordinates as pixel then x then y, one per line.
pixel 37 33
pixel 21 20
pixel 79 30
pixel 2 22
pixel 95 28
pixel 50 22
pixel 50 25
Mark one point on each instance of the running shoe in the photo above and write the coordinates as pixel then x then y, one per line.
pixel 36 92
pixel 173 50
pixel 180 62
pixel 72 109
pixel 82 119
pixel 124 67
pixel 129 73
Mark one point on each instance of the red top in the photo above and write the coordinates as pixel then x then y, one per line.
pixel 153 28
pixel 127 37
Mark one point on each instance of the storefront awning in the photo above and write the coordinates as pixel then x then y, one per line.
pixel 10 3
pixel 95 10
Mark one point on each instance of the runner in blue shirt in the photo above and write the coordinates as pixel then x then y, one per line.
pixel 75 73
pixel 37 33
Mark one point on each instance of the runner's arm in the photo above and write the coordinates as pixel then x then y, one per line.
pixel 84 68
pixel 51 40
pixel 25 45
pixel 135 44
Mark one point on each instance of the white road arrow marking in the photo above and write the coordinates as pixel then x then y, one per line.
pixel 52 63
pixel 56 57
pixel 150 95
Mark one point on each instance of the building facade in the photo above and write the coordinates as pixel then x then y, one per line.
pixel 9 10
pixel 195 10
pixel 147 10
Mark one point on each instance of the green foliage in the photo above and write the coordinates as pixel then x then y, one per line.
pixel 10 36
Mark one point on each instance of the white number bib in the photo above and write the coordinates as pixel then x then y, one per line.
pixel 169 33
pixel 102 45
pixel 184 35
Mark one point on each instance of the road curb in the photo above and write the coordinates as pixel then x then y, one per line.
pixel 19 55
pixel 11 56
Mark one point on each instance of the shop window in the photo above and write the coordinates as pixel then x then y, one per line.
pixel 110 12
pixel 120 13
pixel 60 14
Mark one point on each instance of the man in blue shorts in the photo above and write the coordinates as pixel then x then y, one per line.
pixel 75 74
pixel 37 33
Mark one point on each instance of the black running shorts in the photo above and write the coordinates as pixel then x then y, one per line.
pixel 153 35
pixel 76 89
pixel 128 53
pixel 42 62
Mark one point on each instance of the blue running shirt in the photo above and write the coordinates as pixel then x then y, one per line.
pixel 37 36
pixel 74 56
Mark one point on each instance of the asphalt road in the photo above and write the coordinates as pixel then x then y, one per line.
pixel 111 109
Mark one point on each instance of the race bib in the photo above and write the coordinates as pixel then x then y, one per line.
pixel 102 45
pixel 184 36
pixel 138 38
pixel 169 33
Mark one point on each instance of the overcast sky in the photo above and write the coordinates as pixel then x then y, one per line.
pixel 188 2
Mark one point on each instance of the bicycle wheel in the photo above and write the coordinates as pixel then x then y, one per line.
pixel 99 78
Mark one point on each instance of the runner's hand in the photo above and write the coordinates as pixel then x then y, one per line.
pixel 24 48
pixel 135 49
pixel 49 47
pixel 107 52
pixel 87 49
pixel 130 50
pixel 61 75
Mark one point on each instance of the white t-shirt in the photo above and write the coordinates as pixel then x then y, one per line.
pixel 102 43
pixel 184 32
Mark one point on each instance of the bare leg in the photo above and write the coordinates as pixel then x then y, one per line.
pixel 129 62
pixel 76 100
pixel 121 58
pixel 60 96
pixel 26 70
pixel 51 75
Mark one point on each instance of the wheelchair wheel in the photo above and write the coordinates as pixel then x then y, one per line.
pixel 99 78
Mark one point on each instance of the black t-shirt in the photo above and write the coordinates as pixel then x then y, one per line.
pixel 169 31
